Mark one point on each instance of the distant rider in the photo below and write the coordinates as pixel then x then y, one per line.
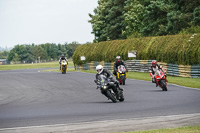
pixel 154 68
pixel 117 63
pixel 62 58
pixel 108 74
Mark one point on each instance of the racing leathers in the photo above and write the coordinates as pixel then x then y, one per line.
pixel 62 58
pixel 108 75
pixel 154 69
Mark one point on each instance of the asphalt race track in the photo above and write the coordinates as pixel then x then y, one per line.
pixel 35 98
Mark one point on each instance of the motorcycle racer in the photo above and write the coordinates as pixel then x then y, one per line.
pixel 117 63
pixel 154 68
pixel 108 74
pixel 62 58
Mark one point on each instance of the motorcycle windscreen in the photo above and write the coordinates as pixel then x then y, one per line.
pixel 121 69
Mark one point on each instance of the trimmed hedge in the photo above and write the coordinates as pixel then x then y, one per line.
pixel 176 49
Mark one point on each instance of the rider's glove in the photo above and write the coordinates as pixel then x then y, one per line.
pixel 98 87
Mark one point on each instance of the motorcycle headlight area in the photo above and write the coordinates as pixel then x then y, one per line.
pixel 104 87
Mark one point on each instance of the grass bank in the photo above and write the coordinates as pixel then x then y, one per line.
pixel 54 64
pixel 188 129
pixel 188 82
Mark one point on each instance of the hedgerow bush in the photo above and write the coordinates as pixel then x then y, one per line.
pixel 176 49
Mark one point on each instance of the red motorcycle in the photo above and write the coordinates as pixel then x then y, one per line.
pixel 161 80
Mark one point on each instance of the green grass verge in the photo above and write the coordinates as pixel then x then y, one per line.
pixel 188 129
pixel 57 70
pixel 188 82
pixel 54 64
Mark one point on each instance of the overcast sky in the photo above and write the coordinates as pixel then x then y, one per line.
pixel 42 21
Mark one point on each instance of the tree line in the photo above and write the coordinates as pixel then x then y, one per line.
pixel 46 52
pixel 3 54
pixel 122 19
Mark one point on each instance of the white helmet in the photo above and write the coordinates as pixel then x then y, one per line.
pixel 99 69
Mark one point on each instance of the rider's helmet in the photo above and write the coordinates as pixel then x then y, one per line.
pixel 99 69
pixel 154 63
pixel 62 56
pixel 118 58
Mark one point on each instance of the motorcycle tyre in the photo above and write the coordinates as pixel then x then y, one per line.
pixel 121 99
pixel 64 69
pixel 164 87
pixel 123 81
pixel 111 97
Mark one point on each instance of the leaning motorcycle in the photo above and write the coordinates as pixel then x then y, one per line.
pixel 106 87
pixel 161 80
pixel 121 74
pixel 63 66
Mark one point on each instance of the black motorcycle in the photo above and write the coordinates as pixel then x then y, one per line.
pixel 108 88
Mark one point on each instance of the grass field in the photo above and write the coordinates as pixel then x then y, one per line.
pixel 54 64
pixel 189 129
pixel 188 82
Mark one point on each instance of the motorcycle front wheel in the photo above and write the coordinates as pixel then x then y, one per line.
pixel 121 99
pixel 123 81
pixel 111 96
pixel 64 69
pixel 163 84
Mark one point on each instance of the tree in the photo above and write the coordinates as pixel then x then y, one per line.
pixel 39 52
pixel 15 58
pixel 23 53
pixel 133 16
pixel 107 22
pixel 196 16
pixel 71 48
pixel 155 18
pixel 98 21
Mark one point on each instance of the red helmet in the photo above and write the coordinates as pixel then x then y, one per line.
pixel 154 63
pixel 118 58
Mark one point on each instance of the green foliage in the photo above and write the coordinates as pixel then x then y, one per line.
pixel 176 49
pixel 21 53
pixel 196 14
pixel 190 30
pixel 107 23
pixel 133 15
pixel 154 19
pixel 15 58
pixel 39 52
pixel 47 51
pixel 4 54
pixel 121 19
